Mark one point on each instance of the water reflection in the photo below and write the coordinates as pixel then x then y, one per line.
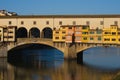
pixel 69 70
pixel 103 58
pixel 46 67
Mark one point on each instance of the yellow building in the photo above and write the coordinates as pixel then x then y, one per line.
pixel 92 36
pixel 118 33
pixel 85 33
pixel 110 35
pixel 114 34
pixel 59 35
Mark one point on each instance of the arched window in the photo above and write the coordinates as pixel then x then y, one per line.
pixel 34 33
pixel 21 32
pixel 47 32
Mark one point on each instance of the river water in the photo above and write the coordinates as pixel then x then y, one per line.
pixel 48 64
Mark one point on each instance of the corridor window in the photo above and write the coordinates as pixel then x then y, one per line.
pixel 22 22
pixel 47 22
pixel 101 23
pixel 10 22
pixel 74 22
pixel 34 23
pixel 60 23
pixel 115 22
pixel 87 22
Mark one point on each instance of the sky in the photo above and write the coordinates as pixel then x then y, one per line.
pixel 61 7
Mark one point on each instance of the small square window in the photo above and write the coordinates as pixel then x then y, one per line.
pixel 47 22
pixel 115 22
pixel 87 22
pixel 60 23
pixel 10 22
pixel 74 22
pixel 101 23
pixel 34 23
pixel 22 22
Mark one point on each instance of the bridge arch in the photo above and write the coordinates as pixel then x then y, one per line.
pixel 23 45
pixel 47 32
pixel 34 32
pixel 80 52
pixel 22 32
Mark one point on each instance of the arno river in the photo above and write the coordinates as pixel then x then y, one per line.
pixel 36 63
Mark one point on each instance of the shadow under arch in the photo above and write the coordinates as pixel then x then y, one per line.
pixel 32 45
pixel 30 58
pixel 47 32
pixel 22 32
pixel 34 32
pixel 81 52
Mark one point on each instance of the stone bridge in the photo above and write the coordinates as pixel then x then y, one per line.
pixel 70 50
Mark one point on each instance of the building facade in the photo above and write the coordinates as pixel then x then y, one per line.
pixel 62 28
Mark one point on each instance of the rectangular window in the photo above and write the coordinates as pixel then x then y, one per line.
pixel 84 27
pixel 56 37
pixel 84 32
pixel 63 32
pixel 57 32
pixel 115 22
pixel 74 22
pixel 84 38
pixel 91 32
pixel 99 38
pixel 63 27
pixel 10 36
pixel 22 22
pixel 87 22
pixel 63 37
pixel 10 31
pixel 118 33
pixel 107 32
pixel 113 39
pixel 60 22
pixel 34 23
pixel 106 39
pixel 118 39
pixel 47 22
pixel 68 37
pixel 70 27
pixel 5 30
pixel 10 22
pixel 77 27
pixel 77 38
pixel 113 33
pixel 77 32
pixel 91 38
pixel 101 22
pixel 99 32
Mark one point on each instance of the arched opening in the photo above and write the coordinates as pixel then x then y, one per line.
pixel 100 57
pixel 21 32
pixel 34 33
pixel 35 55
pixel 47 33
